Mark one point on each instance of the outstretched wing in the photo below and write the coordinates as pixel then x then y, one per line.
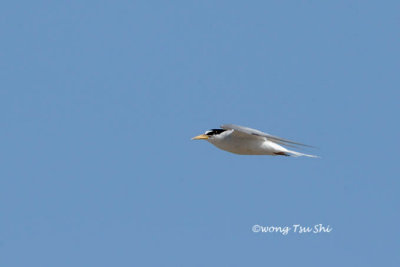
pixel 254 132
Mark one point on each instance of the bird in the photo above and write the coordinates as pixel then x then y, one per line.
pixel 247 141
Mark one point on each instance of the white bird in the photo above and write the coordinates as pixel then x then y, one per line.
pixel 246 141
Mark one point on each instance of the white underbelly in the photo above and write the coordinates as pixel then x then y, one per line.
pixel 249 147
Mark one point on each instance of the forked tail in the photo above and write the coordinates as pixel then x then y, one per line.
pixel 298 154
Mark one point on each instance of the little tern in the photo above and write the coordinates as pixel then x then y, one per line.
pixel 246 141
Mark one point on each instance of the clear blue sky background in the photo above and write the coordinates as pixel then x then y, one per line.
pixel 99 100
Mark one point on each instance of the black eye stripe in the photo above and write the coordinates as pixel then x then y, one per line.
pixel 214 132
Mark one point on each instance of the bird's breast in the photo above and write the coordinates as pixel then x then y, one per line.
pixel 243 146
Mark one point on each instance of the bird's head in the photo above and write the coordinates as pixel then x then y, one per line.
pixel 209 135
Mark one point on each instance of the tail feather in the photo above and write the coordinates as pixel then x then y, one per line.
pixel 298 154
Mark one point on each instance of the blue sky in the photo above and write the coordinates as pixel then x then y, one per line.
pixel 99 100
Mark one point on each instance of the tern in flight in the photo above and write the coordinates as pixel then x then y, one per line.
pixel 246 141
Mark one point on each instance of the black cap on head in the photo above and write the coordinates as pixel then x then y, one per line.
pixel 214 132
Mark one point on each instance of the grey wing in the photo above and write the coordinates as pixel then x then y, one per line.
pixel 243 134
pixel 255 132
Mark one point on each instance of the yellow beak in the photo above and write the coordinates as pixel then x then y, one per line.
pixel 199 137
